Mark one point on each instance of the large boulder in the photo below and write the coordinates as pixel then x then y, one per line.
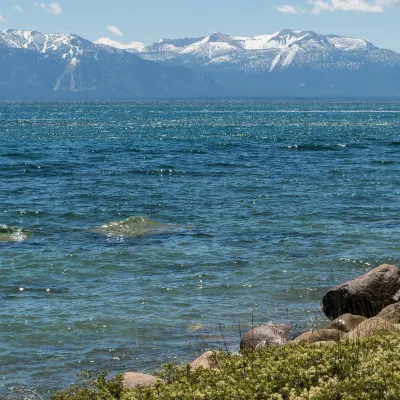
pixel 346 322
pixel 133 380
pixel 391 313
pixel 265 335
pixel 321 335
pixel 366 295
pixel 371 327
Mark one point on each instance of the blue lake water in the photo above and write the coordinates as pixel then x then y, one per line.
pixel 260 207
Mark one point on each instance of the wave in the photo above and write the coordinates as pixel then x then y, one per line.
pixel 383 162
pixel 136 226
pixel 160 171
pixel 227 165
pixel 316 147
pixel 33 289
pixel 12 234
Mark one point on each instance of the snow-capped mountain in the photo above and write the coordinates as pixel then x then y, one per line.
pixel 62 44
pixel 286 63
pixel 269 52
pixel 40 65
pixel 221 43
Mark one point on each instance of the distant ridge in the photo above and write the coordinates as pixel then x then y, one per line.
pixel 287 63
pixel 37 65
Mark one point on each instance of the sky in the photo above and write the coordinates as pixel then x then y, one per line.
pixel 146 21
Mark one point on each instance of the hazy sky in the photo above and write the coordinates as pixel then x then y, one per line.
pixel 149 20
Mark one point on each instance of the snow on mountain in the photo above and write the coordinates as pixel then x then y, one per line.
pixel 223 42
pixel 261 53
pixel 288 62
pixel 40 65
pixel 348 44
pixel 64 44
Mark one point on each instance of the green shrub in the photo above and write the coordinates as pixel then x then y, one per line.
pixel 365 369
pixel 93 388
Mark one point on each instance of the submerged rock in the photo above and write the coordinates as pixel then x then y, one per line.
pixel 12 234
pixel 136 226
pixel 346 322
pixel 265 335
pixel 133 380
pixel 371 327
pixel 322 335
pixel 366 295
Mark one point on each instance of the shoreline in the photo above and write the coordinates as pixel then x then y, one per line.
pixel 378 328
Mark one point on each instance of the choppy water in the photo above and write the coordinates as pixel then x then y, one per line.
pixel 238 207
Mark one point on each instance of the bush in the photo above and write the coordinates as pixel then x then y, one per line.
pixel 365 369
pixel 94 388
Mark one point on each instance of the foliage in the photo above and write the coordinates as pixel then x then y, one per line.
pixel 364 369
pixel 93 388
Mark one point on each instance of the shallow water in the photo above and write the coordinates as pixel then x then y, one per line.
pixel 251 211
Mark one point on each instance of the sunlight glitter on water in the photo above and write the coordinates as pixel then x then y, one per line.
pixel 249 210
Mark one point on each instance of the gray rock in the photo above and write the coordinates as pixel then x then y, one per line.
pixel 366 295
pixel 346 322
pixel 265 335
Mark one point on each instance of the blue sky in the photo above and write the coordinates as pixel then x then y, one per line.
pixel 148 20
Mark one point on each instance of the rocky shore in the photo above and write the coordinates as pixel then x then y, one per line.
pixel 358 309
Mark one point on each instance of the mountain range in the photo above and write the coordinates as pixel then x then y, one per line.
pixel 42 66
pixel 288 63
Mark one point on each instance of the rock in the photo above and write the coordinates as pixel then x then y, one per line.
pixel 371 327
pixel 133 380
pixel 322 335
pixel 12 234
pixel 204 361
pixel 328 343
pixel 265 335
pixel 136 226
pixel 366 295
pixel 346 322
pixel 391 313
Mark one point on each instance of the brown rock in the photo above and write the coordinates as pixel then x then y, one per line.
pixel 204 361
pixel 366 295
pixel 371 327
pixel 346 322
pixel 133 380
pixel 322 335
pixel 391 313
pixel 265 335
